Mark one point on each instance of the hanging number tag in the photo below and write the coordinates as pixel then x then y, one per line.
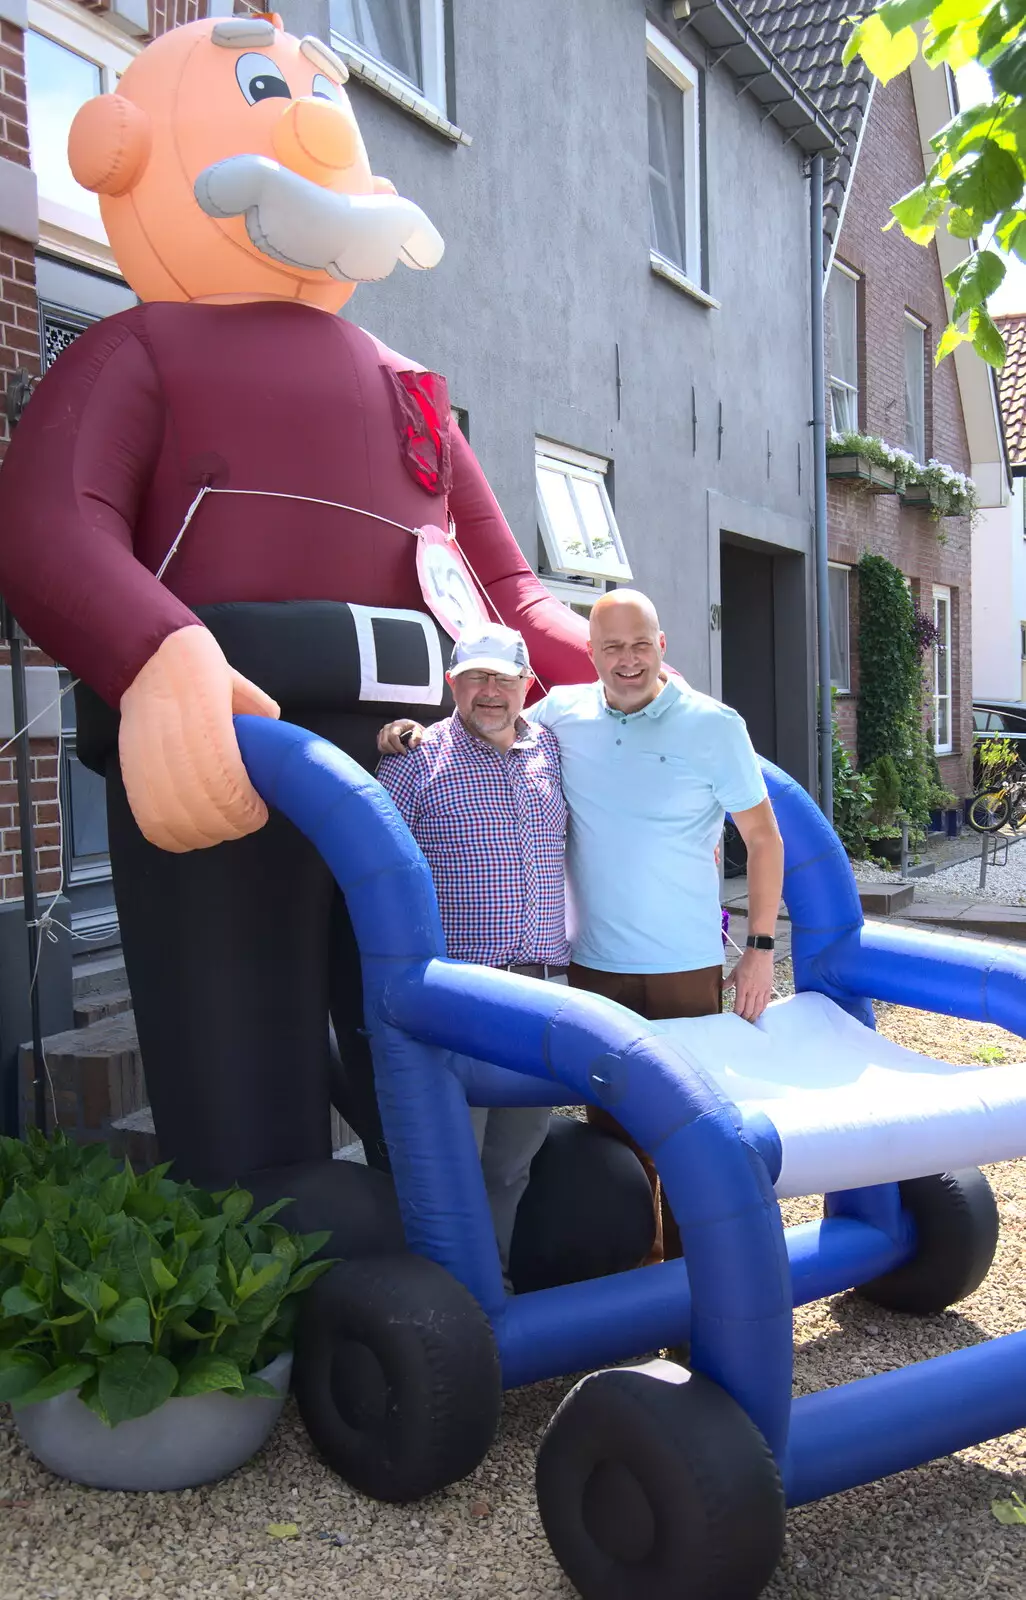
pixel 451 594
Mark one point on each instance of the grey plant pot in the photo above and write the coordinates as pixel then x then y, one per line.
pixel 185 1442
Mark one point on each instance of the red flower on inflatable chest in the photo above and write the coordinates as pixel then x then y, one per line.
pixel 420 401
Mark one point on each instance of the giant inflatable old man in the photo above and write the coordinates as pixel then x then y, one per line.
pixel 231 499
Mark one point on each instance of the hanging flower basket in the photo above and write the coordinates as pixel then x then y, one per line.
pixel 877 479
pixel 917 496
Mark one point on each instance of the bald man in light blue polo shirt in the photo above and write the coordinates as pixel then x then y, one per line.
pixel 647 791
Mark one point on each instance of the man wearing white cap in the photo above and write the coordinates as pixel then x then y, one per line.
pixel 481 795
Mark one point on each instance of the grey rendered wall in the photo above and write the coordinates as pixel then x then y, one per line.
pixel 547 269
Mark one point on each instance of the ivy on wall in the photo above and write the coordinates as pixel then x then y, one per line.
pixel 895 752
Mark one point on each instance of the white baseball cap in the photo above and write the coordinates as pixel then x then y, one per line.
pixel 490 648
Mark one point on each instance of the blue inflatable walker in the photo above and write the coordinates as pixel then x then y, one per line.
pixel 667 1479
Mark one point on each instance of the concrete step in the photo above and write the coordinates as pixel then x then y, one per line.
pixel 977 917
pixel 98 1089
pixel 883 899
pixel 95 1007
pixel 95 1077
pixel 98 974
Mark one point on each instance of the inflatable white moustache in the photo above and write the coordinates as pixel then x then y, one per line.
pixel 356 238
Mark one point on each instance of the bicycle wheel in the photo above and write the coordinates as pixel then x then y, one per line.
pixel 989 811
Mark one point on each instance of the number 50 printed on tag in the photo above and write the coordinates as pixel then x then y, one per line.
pixel 449 591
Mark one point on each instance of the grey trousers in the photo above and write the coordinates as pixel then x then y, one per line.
pixel 508 1139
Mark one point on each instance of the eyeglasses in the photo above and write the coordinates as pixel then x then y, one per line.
pixel 479 680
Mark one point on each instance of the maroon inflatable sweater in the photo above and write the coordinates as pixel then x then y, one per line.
pixel 149 405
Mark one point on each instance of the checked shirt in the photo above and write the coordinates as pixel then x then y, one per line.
pixel 492 827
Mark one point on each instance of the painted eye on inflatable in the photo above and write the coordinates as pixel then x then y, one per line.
pixel 327 89
pixel 259 79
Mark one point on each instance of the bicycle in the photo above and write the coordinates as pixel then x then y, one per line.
pixel 998 803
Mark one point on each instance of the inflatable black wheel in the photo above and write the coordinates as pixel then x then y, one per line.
pixel 586 1212
pixel 654 1484
pixel 396 1376
pixel 956 1223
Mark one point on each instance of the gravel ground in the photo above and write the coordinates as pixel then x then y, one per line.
pixel 925 1535
pixel 1005 884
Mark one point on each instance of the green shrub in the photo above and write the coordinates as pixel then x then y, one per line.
pixel 133 1289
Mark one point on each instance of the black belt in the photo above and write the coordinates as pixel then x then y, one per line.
pixel 534 969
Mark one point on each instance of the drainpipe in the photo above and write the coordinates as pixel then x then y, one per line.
pixel 826 762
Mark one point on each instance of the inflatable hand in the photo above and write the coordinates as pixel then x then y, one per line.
pixel 180 760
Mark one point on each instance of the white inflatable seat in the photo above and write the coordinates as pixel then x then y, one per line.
pixel 852 1108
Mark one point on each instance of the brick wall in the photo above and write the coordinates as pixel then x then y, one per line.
pixel 14 140
pixel 898 276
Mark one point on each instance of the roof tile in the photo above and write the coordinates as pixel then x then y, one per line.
pixel 808 38
pixel 1012 387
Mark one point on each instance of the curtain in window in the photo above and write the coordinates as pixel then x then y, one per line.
pixel 840 668
pixel 942 673
pixel 387 29
pixel 844 352
pixel 666 192
pixel 915 390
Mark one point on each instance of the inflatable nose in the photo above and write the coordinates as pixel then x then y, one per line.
pixel 315 139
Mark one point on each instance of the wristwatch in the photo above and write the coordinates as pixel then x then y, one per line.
pixel 761 941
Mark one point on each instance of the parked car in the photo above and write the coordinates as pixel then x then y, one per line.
pixel 1004 721
pixel 991 718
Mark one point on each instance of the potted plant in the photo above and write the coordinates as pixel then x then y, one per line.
pixel 145 1325
pixel 862 458
pixel 885 815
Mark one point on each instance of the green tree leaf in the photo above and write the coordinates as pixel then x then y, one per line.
pixel 205 1374
pixel 69 1376
pixel 886 54
pixel 975 280
pixel 128 1324
pixel 898 14
pixel 134 1382
pixel 20 1371
pixel 17 1247
pixel 988 181
pixel 1008 69
pixel 986 337
pixel 950 340
pixel 962 224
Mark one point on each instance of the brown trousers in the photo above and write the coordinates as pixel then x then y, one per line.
pixel 654 995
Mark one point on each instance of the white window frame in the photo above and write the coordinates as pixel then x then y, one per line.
pixel 575 466
pixel 576 597
pixel 674 64
pixel 840 566
pixel 77 235
pixel 833 381
pixel 433 97
pixel 912 321
pixel 942 689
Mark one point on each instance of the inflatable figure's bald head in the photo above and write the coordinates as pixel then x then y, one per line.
pixel 230 167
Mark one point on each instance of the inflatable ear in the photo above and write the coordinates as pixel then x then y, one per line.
pixel 109 144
